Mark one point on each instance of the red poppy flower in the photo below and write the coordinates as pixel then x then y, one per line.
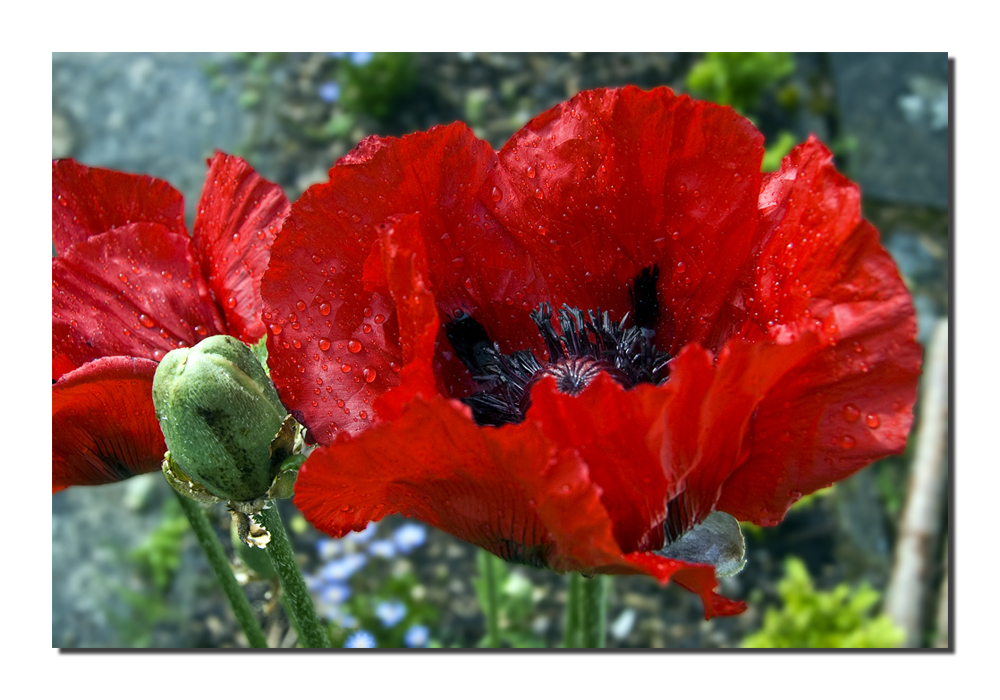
pixel 129 285
pixel 723 340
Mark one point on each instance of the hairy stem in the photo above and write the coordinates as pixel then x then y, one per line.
pixel 571 632
pixel 299 605
pixel 487 570
pixel 220 565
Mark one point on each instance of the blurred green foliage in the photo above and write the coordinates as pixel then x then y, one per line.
pixel 737 79
pixel 156 561
pixel 811 619
pixel 515 601
pixel 377 88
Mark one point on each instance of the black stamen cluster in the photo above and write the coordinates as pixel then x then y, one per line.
pixel 585 344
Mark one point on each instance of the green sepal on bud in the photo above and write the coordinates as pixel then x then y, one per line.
pixel 225 427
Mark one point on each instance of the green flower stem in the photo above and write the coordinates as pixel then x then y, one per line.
pixel 594 612
pixel 487 570
pixel 571 632
pixel 296 596
pixel 220 565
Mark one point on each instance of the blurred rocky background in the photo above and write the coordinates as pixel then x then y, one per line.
pixel 127 572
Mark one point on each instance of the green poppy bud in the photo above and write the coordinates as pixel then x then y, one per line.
pixel 219 414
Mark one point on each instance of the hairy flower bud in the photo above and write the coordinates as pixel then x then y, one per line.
pixel 219 414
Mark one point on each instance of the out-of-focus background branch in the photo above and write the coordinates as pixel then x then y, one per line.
pixel 125 570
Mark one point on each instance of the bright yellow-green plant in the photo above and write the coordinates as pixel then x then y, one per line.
pixel 811 619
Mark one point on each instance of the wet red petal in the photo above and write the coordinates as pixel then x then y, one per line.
pixel 613 181
pixel 134 291
pixel 239 215
pixel 104 428
pixel 320 258
pixel 821 267
pixel 88 201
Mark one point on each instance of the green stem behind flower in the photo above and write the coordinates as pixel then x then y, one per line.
pixel 220 565
pixel 296 596
pixel 487 570
pixel 571 632
pixel 594 612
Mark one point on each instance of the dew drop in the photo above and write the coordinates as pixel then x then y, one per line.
pixel 851 413
pixel 324 309
pixel 367 312
pixel 369 373
pixel 340 403
pixel 123 278
pixel 366 328
pixel 660 243
pixel 231 302
pixel 201 330
pixel 681 266
pixel 354 346
pixel 362 414
pixel 300 305
pixel 847 442
pixel 345 368
pixel 531 171
pixel 324 344
pixel 873 420
pixel 275 329
pixel 497 194
pixel 157 354
pixel 675 235
pixel 146 321
pixel 379 318
pixel 538 193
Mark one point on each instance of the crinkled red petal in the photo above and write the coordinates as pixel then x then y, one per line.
pixel 104 428
pixel 613 181
pixel 239 215
pixel 312 288
pixel 821 267
pixel 88 201
pixel 706 425
pixel 610 429
pixel 135 291
pixel 508 490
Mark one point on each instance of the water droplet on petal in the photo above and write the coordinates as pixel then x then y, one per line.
pixel 324 309
pixel 531 172
pixel 345 368
pixel 231 302
pixel 538 193
pixel 851 413
pixel 354 346
pixel 497 195
pixel 681 266
pixel 846 441
pixel 146 321
pixel 873 420
pixel 275 329
pixel 324 344
pixel 660 242
pixel 201 330
pixel 300 305
pixel 379 318
pixel 369 373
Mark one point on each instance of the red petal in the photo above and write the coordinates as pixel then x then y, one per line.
pixel 238 217
pixel 610 429
pixel 319 261
pixel 852 403
pixel 134 291
pixel 87 201
pixel 507 490
pixel 613 181
pixel 104 428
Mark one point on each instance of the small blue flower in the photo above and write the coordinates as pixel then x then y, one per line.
pixel 382 548
pixel 313 583
pixel 390 612
pixel 360 640
pixel 329 91
pixel 335 593
pixel 360 58
pixel 417 636
pixel 328 548
pixel 409 536
pixel 343 568
pixel 364 535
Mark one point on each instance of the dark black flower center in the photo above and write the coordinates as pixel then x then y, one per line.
pixel 586 344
